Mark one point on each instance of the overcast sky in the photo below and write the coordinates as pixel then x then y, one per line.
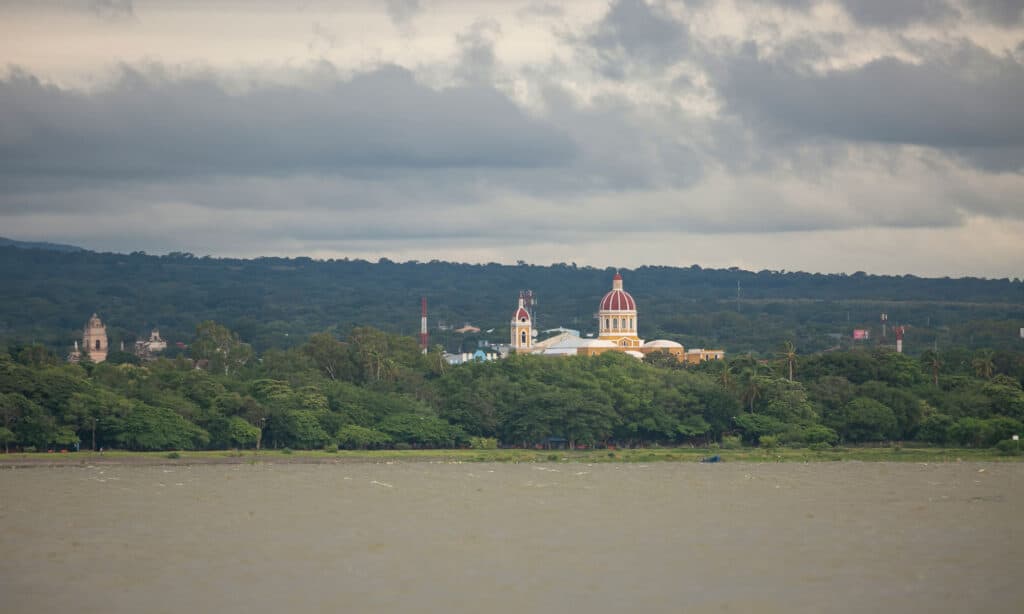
pixel 877 135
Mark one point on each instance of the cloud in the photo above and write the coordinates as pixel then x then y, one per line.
pixel 966 99
pixel 1008 13
pixel 635 33
pixel 148 126
pixel 113 9
pixel 898 14
pixel 713 132
pixel 476 51
pixel 402 12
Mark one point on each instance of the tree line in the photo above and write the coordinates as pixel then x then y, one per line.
pixel 374 389
pixel 48 296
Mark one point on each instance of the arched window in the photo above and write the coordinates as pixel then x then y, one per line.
pixel 97 344
pixel 522 336
pixel 631 324
pixel 615 323
pixel 606 325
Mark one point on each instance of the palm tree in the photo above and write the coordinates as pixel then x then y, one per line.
pixel 983 363
pixel 931 359
pixel 751 388
pixel 725 377
pixel 788 354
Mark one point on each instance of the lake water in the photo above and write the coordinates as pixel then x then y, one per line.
pixel 423 537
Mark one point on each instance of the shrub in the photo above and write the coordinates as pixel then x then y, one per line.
pixel 331 448
pixel 935 429
pixel 173 455
pixel 483 443
pixel 286 451
pixel 1008 447
pixel 354 437
pixel 731 442
pixel 769 441
pixel 998 429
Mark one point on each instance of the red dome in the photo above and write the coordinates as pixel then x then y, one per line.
pixel 522 315
pixel 618 300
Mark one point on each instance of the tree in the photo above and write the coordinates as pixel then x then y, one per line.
pixel 932 361
pixel 241 433
pixel 788 355
pixel 222 348
pixel 935 429
pixel 6 437
pixel 753 387
pixel 865 419
pixel 331 356
pixel 158 428
pixel 354 437
pixel 755 426
pixel 426 431
pixel 662 359
pixel 983 364
pixel 725 375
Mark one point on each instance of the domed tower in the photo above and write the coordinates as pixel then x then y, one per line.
pixel 94 339
pixel 522 328
pixel 617 317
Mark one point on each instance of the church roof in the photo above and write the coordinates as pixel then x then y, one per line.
pixel 662 343
pixel 618 300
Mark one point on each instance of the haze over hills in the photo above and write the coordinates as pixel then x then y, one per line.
pixel 279 302
pixel 57 247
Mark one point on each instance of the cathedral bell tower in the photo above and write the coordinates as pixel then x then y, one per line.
pixel 94 339
pixel 522 328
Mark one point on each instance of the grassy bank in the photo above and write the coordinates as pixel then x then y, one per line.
pixel 750 455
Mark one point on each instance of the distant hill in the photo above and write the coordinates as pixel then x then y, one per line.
pixel 278 302
pixel 56 247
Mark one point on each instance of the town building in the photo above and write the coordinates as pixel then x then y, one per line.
pixel 618 322
pixel 95 343
pixel 149 348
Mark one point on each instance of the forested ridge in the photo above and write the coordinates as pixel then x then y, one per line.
pixel 376 390
pixel 301 353
pixel 279 302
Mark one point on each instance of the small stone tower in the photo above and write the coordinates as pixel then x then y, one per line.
pixel 522 328
pixel 94 339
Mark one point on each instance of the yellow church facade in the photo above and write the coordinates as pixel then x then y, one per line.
pixel 617 332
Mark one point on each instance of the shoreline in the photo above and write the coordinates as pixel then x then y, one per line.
pixel 677 455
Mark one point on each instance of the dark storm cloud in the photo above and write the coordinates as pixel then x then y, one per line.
pixel 966 99
pixel 147 126
pixel 634 32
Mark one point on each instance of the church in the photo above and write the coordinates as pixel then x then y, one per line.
pixel 617 332
pixel 95 343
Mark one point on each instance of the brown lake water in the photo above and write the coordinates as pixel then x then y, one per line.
pixel 422 537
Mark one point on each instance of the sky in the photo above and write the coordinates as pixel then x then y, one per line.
pixel 826 136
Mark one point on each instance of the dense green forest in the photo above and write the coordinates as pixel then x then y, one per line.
pixel 374 389
pixel 279 302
